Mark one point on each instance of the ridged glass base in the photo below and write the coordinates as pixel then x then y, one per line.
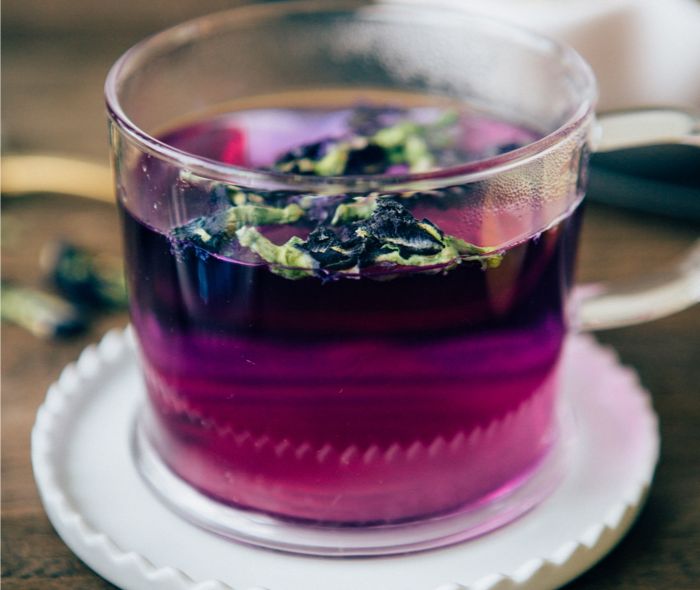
pixel 264 530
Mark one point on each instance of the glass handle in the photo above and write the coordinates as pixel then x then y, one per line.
pixel 601 306
pixel 618 130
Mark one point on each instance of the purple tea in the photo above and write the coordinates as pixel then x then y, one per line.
pixel 347 358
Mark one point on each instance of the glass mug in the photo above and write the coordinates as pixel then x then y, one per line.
pixel 361 414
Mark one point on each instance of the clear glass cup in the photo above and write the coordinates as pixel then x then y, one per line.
pixel 356 417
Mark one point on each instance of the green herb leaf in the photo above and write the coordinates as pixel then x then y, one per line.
pixel 260 215
pixel 286 260
pixel 405 143
pixel 388 235
pixel 359 208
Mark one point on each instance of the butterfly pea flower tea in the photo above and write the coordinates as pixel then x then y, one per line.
pixel 350 299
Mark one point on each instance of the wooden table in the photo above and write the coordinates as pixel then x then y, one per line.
pixel 52 80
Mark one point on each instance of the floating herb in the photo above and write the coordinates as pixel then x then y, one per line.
pixel 237 217
pixel 390 235
pixel 349 232
pixel 302 159
pixel 287 260
pixel 391 223
pixel 404 143
pixel 358 208
pixel 210 231
pixel 333 253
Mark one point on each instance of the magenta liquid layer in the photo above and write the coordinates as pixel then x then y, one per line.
pixel 352 400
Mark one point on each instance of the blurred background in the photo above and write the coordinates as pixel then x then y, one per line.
pixel 55 56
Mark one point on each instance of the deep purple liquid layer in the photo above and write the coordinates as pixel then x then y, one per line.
pixel 351 401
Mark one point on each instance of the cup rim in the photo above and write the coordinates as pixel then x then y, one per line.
pixel 460 173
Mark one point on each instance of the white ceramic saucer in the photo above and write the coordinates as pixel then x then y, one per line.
pixel 107 515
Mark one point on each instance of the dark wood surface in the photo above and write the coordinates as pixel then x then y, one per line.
pixel 52 79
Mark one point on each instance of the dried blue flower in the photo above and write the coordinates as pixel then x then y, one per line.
pixel 82 278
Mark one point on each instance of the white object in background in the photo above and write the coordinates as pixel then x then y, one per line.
pixel 101 508
pixel 643 52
